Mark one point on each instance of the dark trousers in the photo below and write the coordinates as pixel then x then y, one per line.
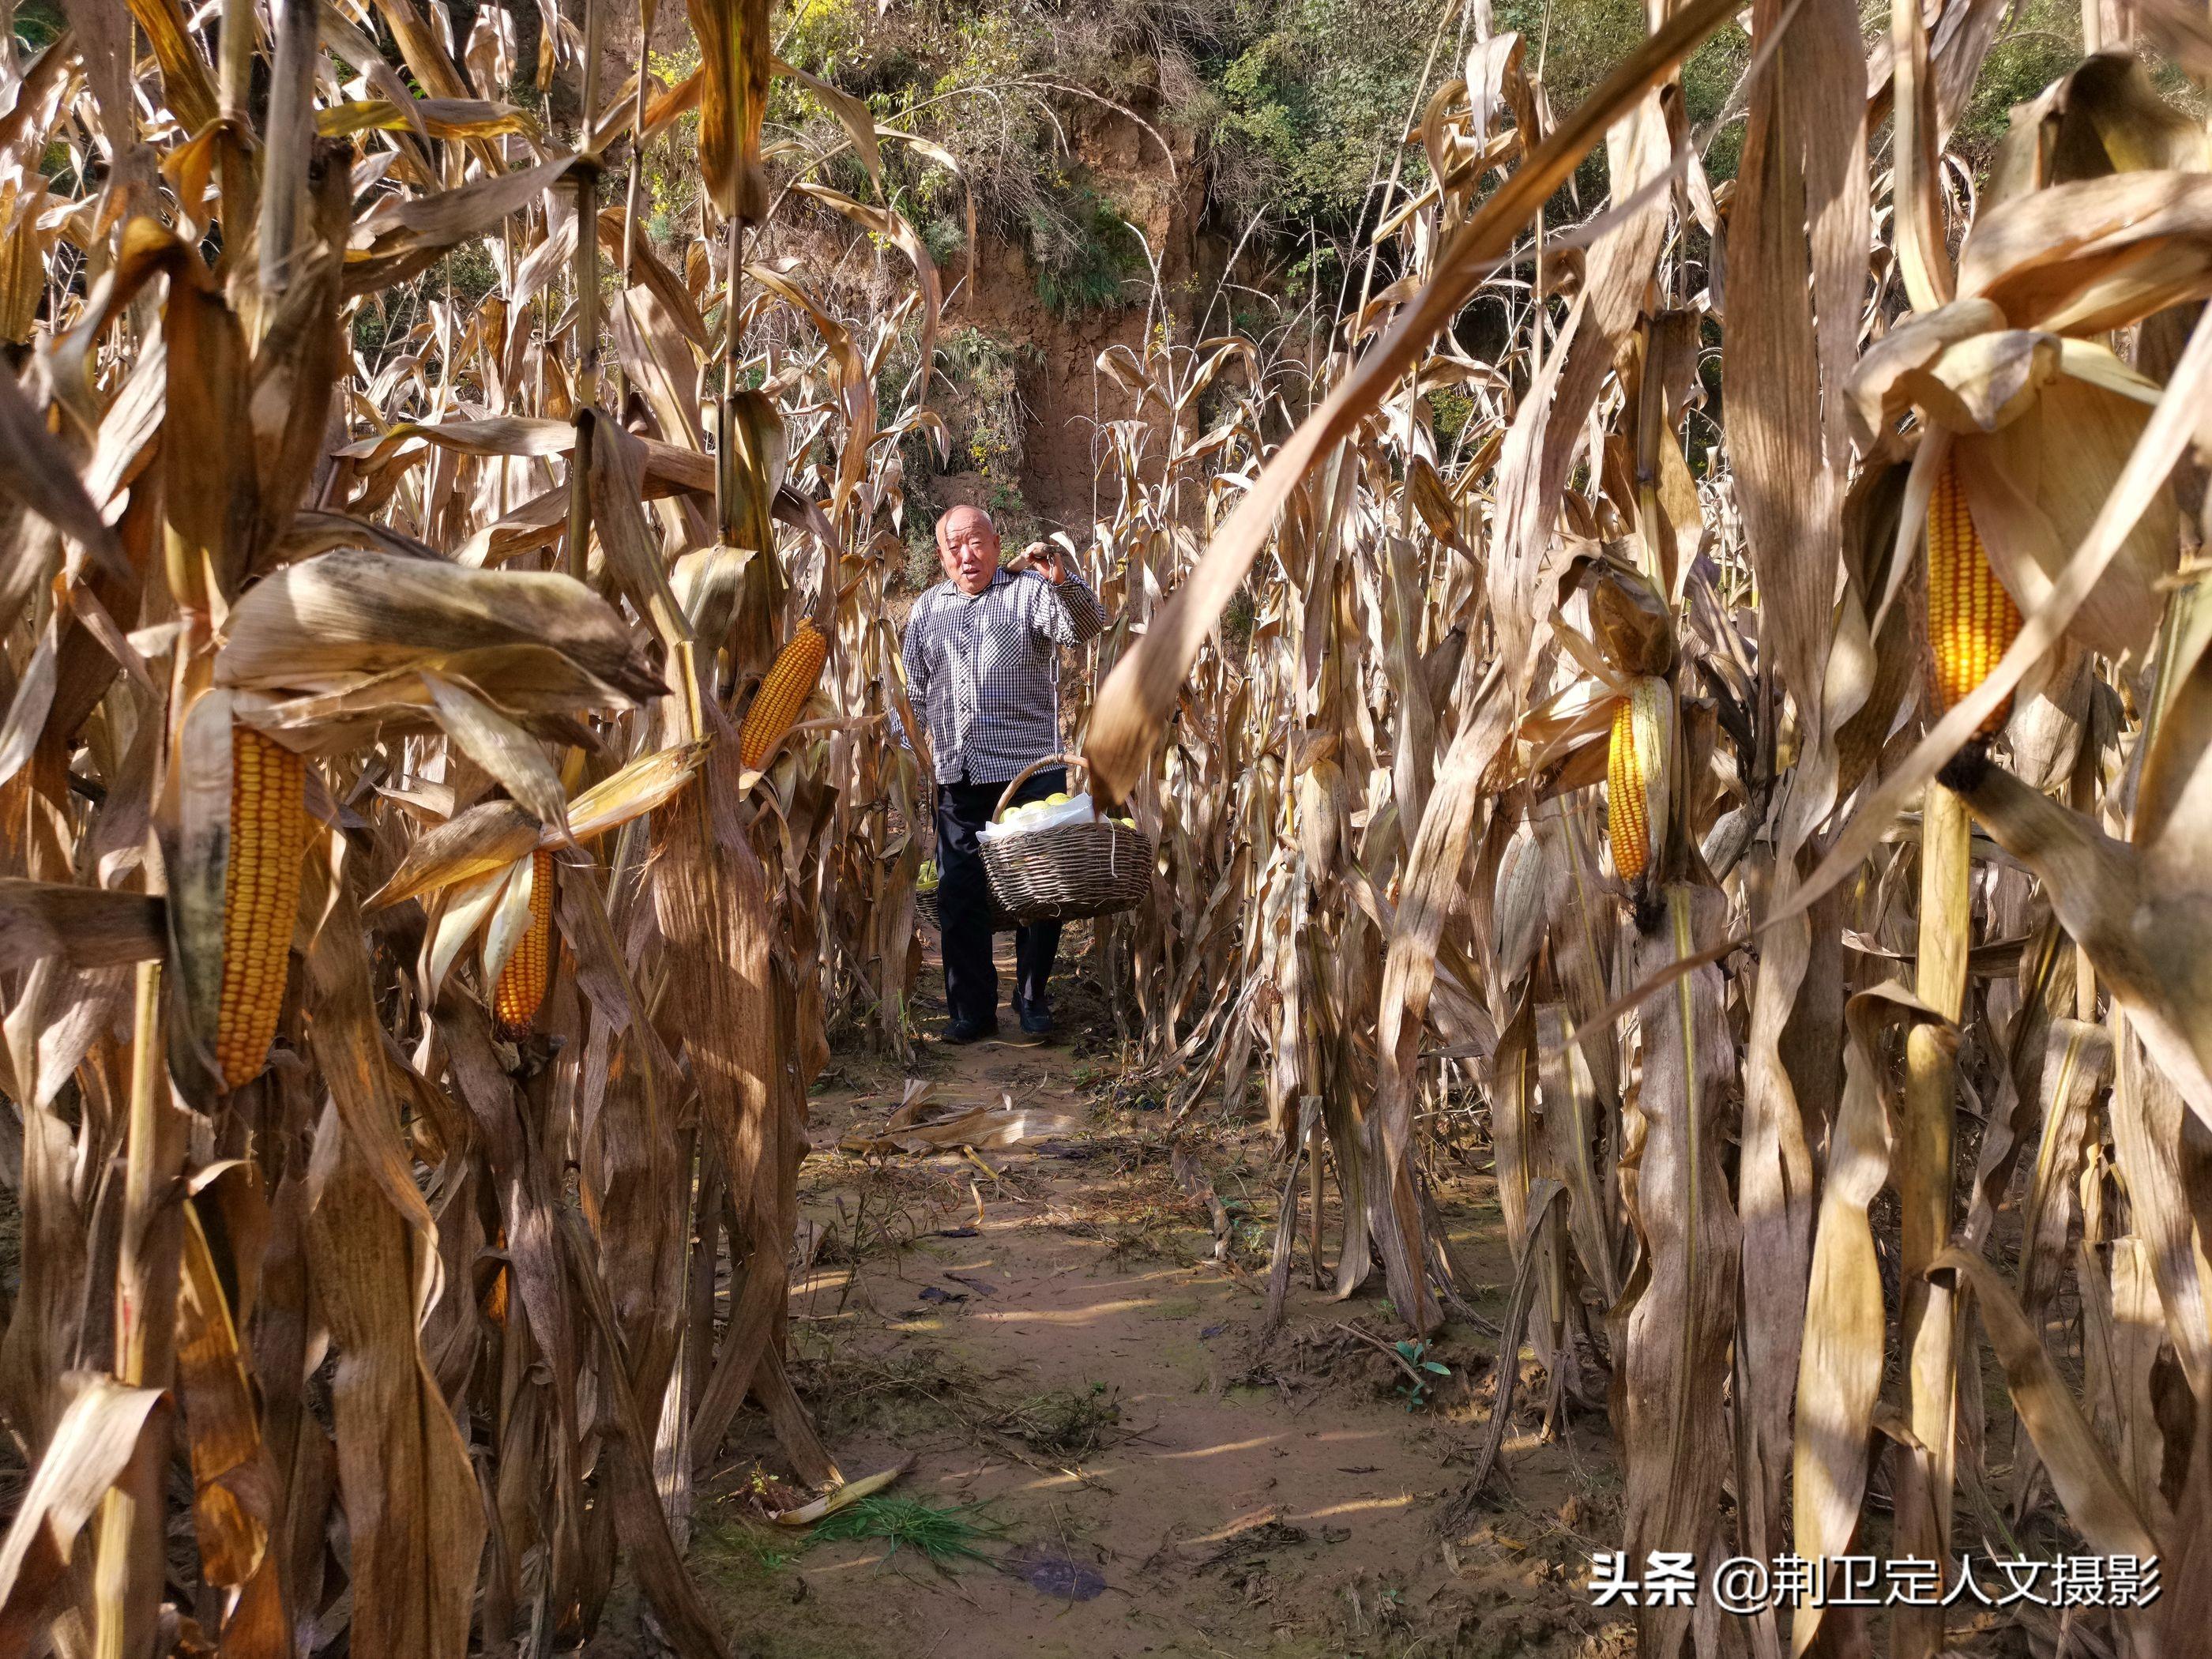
pixel 964 910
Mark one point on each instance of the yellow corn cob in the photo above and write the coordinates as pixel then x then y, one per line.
pixel 1625 820
pixel 1972 620
pixel 268 831
pixel 522 982
pixel 790 682
pixel 1636 789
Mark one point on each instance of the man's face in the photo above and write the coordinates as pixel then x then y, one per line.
pixel 968 547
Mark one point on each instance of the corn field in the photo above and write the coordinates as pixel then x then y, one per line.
pixel 1753 778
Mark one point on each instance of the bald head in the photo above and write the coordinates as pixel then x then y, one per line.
pixel 967 548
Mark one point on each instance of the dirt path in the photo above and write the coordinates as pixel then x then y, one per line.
pixel 1048 1332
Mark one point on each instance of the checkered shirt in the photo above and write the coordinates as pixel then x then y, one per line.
pixel 984 673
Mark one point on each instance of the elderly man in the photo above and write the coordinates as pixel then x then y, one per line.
pixel 982 667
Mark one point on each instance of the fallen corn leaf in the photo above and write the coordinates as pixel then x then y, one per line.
pixel 851 1492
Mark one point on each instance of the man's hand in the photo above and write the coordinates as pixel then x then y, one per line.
pixel 1046 559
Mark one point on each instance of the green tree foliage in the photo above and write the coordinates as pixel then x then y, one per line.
pixel 1309 91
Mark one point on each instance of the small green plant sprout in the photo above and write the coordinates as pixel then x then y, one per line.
pixel 944 1536
pixel 1416 1358
pixel 773 1560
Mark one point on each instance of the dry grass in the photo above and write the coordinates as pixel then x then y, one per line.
pixel 1064 1424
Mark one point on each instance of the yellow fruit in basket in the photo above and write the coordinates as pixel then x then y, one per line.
pixel 1056 799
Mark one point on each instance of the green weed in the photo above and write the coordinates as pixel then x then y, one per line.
pixel 1416 1356
pixel 945 1536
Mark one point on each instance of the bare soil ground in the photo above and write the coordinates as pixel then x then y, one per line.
pixel 1047 1332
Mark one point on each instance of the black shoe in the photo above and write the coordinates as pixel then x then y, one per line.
pixel 1035 1017
pixel 960 1032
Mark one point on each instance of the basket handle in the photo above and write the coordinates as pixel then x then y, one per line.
pixel 1031 770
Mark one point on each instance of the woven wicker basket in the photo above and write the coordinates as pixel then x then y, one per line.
pixel 1094 869
pixel 925 911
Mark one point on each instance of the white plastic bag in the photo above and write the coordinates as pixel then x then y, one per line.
pixel 1037 815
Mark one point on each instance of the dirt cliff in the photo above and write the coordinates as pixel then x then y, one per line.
pixel 1155 180
pixel 1047 398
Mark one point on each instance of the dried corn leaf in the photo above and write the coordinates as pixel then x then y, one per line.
pixel 650 781
pixel 2081 1468
pixel 1679 1314
pixel 235 1493
pixel 422 228
pixel 852 113
pixel 2076 1067
pixel 510 918
pixel 750 469
pixel 504 749
pixel 439 117
pixel 462 910
pixel 1137 698
pixel 332 622
pixel 95 1437
pixel 979 1128
pixel 36 471
pixel 416 1517
pixel 78 927
pixel 1840 1360
pixel 735 56
pixel 489 835
pixel 2146 935
pixel 847 1495
pixel 2099 253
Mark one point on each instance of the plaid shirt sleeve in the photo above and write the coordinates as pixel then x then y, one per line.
pixel 1070 613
